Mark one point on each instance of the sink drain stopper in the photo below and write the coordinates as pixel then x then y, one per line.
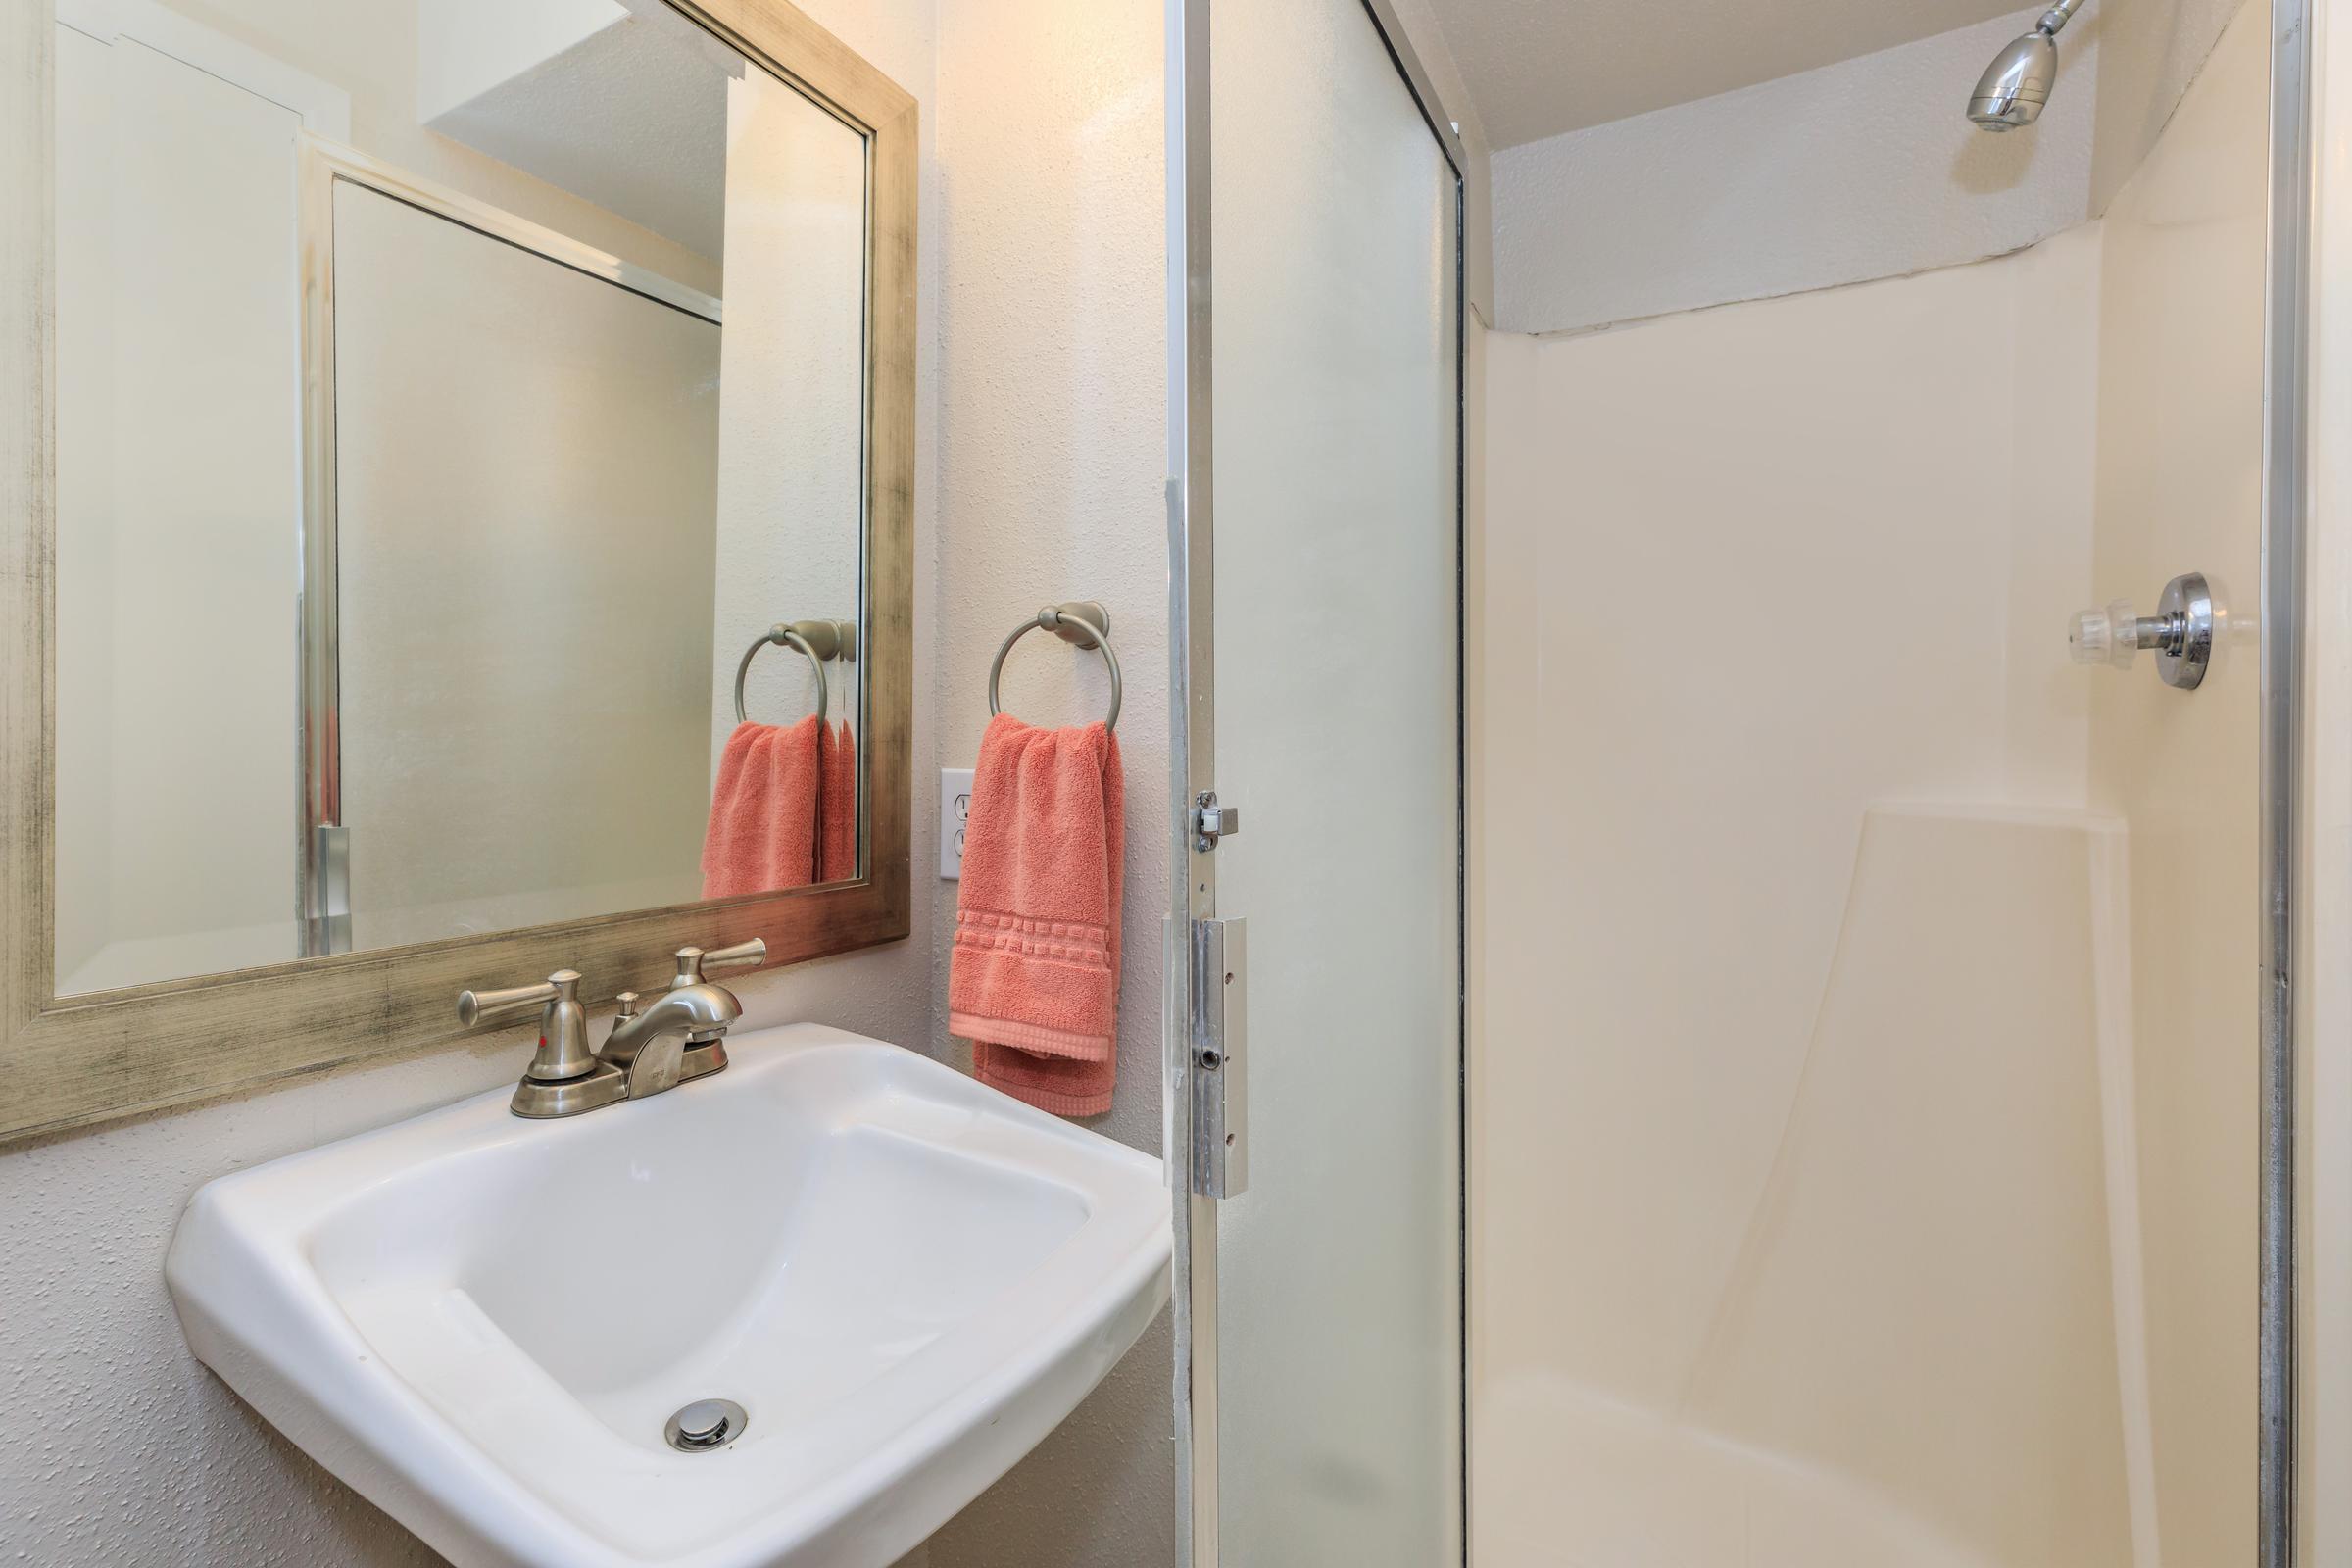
pixel 704 1425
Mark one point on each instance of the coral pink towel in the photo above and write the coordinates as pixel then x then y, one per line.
pixel 763 833
pixel 1033 977
pixel 837 809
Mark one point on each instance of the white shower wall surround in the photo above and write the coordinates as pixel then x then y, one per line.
pixel 1915 1244
pixel 1875 1061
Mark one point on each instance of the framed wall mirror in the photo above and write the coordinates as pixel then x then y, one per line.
pixel 460 524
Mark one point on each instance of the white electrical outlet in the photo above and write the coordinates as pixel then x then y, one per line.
pixel 954 810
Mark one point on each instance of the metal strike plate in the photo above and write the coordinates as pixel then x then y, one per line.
pixel 1213 822
pixel 1221 1058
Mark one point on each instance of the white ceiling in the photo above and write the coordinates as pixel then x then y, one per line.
pixel 1540 68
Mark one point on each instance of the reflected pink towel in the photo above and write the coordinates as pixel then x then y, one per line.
pixel 837 810
pixel 763 833
pixel 1033 977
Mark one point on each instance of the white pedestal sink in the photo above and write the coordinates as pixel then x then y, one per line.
pixel 484 1324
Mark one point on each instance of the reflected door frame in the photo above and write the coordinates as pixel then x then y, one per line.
pixel 322 848
pixel 1193 1100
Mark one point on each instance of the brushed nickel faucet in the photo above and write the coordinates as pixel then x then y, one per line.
pixel 679 1037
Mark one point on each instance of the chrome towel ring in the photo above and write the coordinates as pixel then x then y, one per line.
pixel 819 640
pixel 1081 621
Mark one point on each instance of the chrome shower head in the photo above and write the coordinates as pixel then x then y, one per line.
pixel 2017 84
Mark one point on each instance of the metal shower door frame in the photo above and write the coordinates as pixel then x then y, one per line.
pixel 2285 468
pixel 1191 713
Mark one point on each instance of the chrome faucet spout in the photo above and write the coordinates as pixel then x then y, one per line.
pixel 701 1011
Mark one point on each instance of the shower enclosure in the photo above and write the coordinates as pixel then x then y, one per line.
pixel 1315 1065
pixel 1857 1129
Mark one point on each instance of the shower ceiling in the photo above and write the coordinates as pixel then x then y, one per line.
pixel 1540 68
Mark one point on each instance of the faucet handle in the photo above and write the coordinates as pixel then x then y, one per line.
pixel 489 1007
pixel 563 1052
pixel 693 961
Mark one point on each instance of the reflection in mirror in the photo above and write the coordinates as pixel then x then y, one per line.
pixel 450 393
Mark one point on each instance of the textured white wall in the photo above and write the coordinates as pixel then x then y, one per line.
pixel 164 1467
pixel 1053 457
pixel 1861 169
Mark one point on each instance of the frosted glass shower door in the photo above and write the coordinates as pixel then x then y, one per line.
pixel 1321 1326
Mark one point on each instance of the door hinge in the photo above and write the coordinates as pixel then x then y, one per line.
pixel 1220 1058
pixel 1211 821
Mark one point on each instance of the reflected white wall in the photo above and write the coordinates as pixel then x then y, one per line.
pixel 178 503
pixel 791 401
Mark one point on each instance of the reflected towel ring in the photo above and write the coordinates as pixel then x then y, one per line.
pixel 1081 621
pixel 780 635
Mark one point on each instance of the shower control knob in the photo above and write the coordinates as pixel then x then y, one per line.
pixel 2180 633
pixel 2108 636
pixel 2090 636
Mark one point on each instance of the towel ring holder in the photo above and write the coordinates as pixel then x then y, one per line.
pixel 818 640
pixel 1081 621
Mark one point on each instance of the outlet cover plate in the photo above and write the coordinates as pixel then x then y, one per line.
pixel 954 810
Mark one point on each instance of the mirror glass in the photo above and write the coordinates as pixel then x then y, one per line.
pixel 452 395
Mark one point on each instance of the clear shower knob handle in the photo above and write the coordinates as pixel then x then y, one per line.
pixel 2109 636
pixel 2181 633
pixel 2088 638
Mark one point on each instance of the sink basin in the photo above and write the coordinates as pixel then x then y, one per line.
pixel 484 1325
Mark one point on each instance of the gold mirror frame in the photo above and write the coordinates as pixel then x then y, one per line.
pixel 73 1061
